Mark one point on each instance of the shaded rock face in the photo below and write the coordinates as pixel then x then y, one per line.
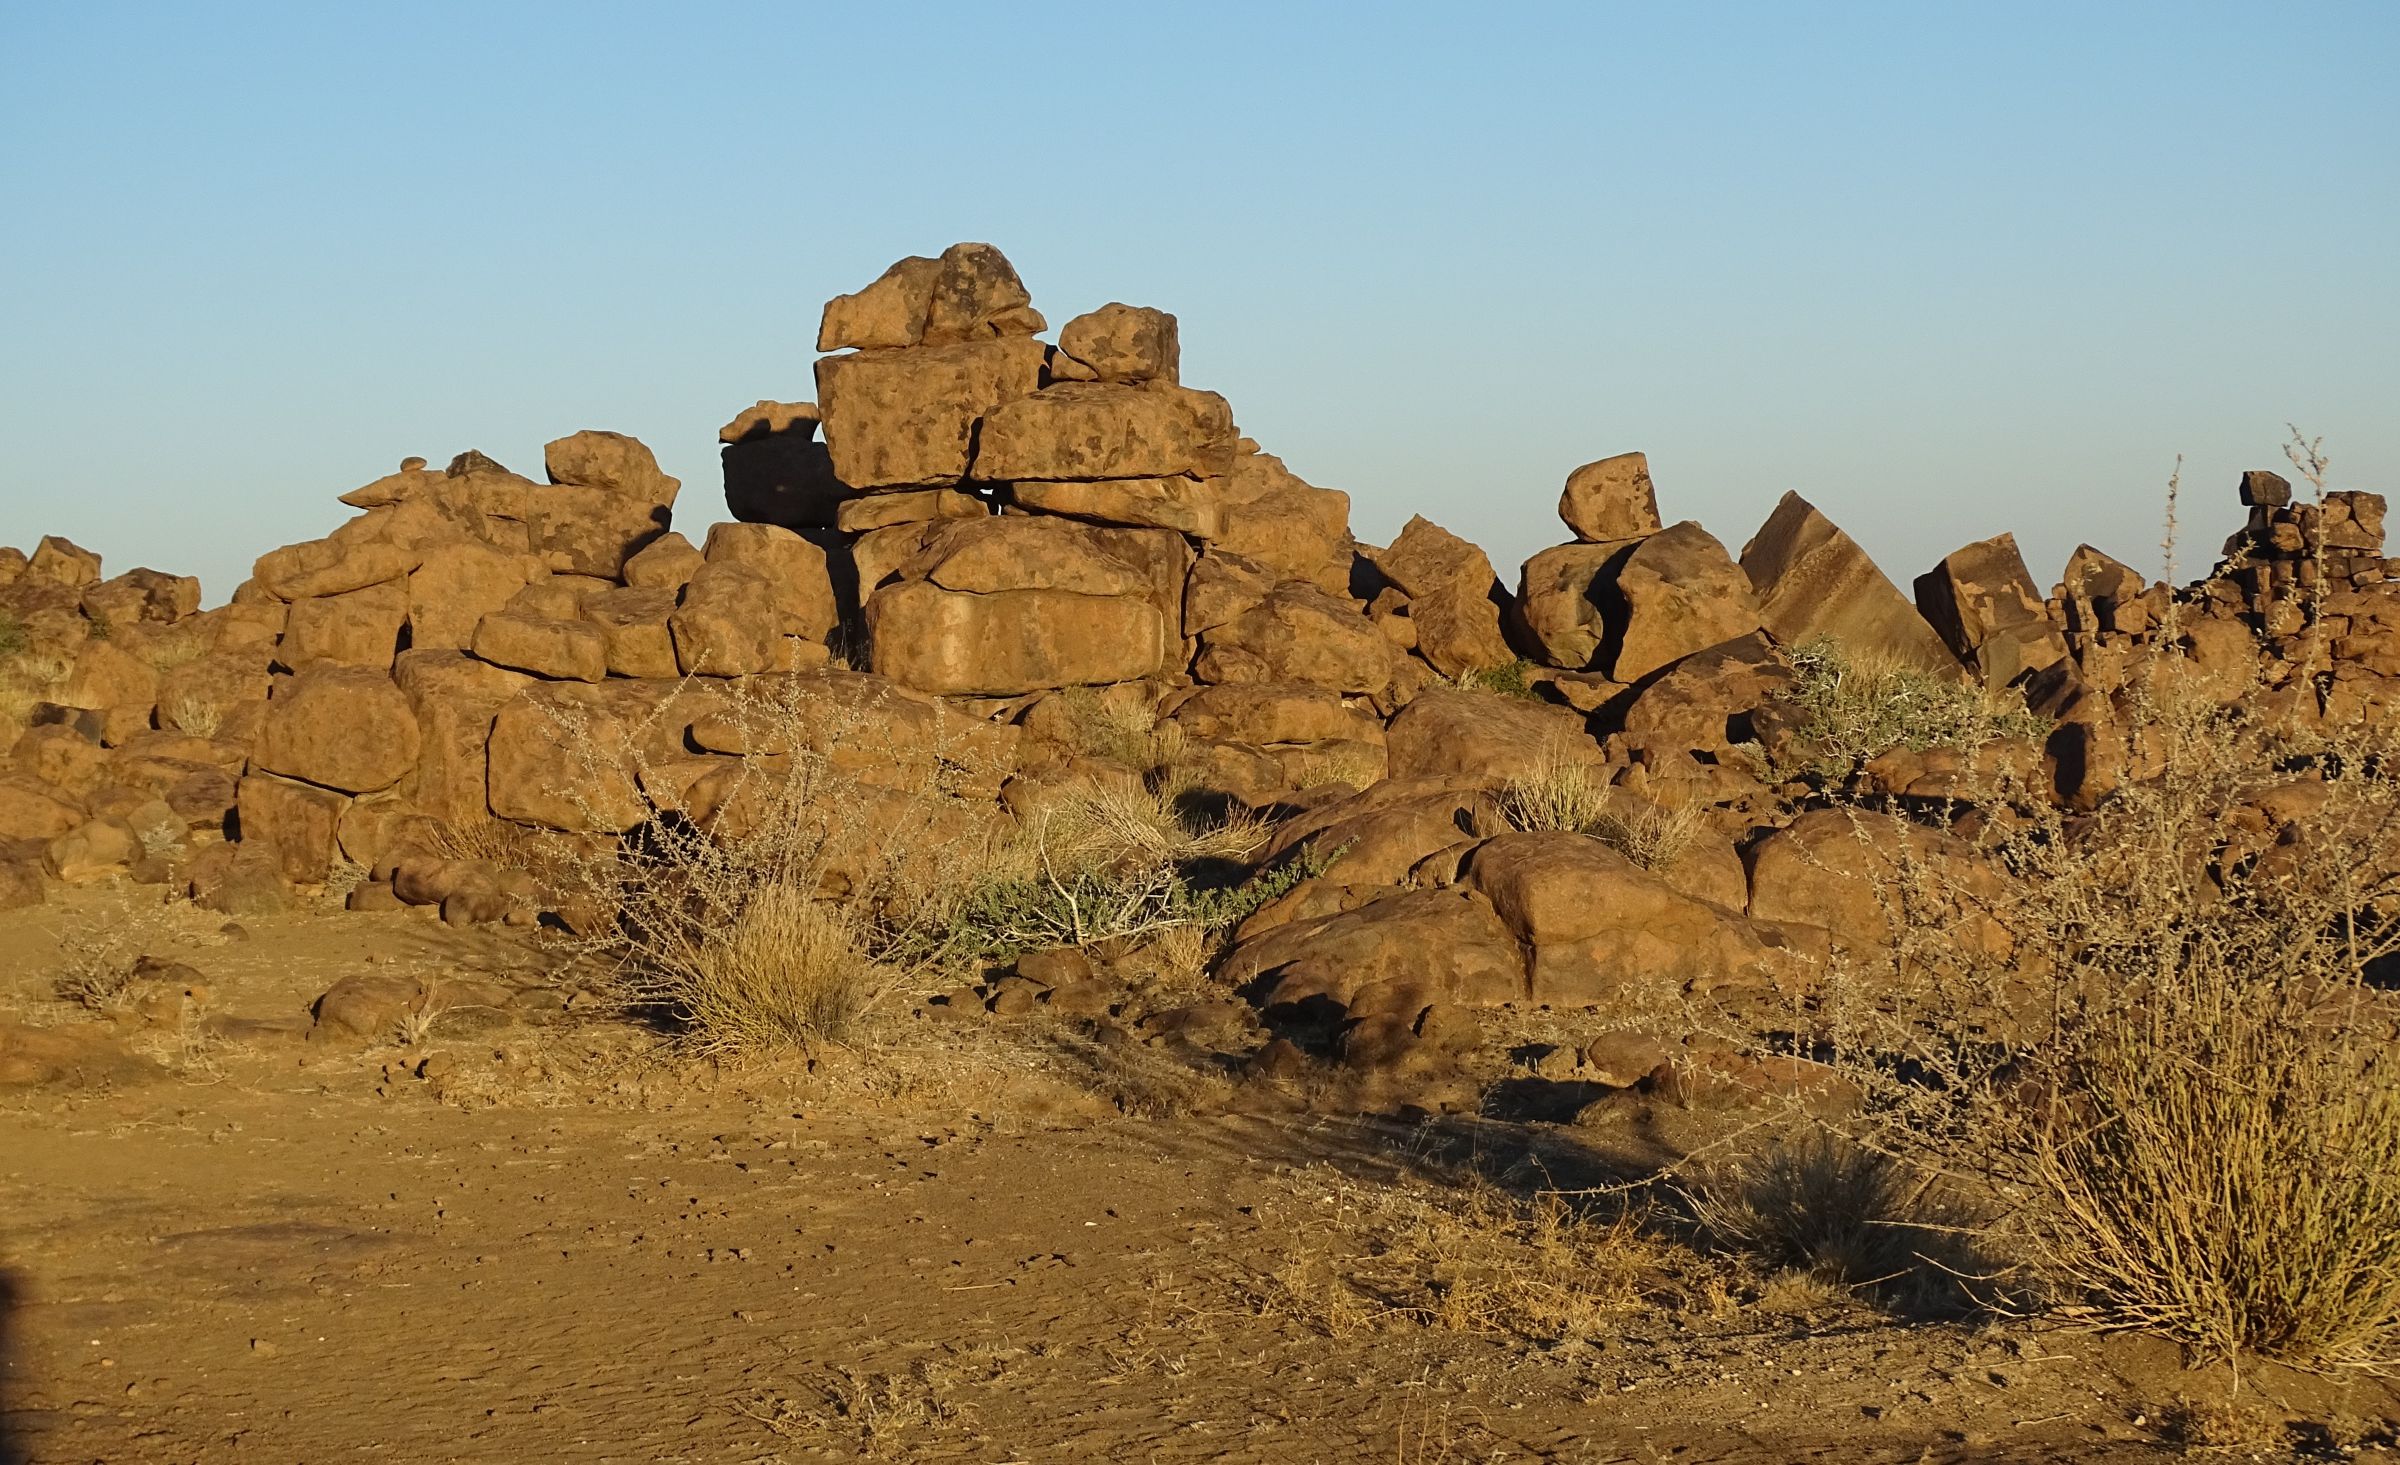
pixel 1982 602
pixel 1677 592
pixel 1813 581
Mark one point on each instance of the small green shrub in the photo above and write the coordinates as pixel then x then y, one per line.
pixel 1508 679
pixel 1852 707
pixel 13 636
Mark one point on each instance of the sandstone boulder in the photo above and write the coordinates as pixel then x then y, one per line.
pixel 299 824
pixel 60 561
pixel 341 728
pixel 1124 343
pixel 1099 430
pixel 1274 518
pixel 1006 642
pixel 1404 948
pixel 797 576
pixel 321 567
pixel 634 622
pixel 1982 602
pixel 918 506
pixel 1454 598
pixel 610 461
pixel 1446 733
pixel 457 585
pixel 561 650
pixel 665 563
pixel 1300 634
pixel 93 850
pixel 908 419
pixel 32 809
pixel 1677 592
pixel 1561 596
pixel 358 628
pixel 725 624
pixel 1610 500
pixel 1813 581
pixel 1185 505
pixel 453 698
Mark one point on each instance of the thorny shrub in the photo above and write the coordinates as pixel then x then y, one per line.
pixel 1851 705
pixel 2158 1045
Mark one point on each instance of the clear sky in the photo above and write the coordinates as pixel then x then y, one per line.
pixel 1944 269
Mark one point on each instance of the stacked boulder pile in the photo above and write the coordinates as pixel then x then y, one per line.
pixel 972 536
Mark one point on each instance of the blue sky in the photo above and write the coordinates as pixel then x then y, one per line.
pixel 1946 270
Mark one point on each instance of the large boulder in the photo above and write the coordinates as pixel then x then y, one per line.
pixel 1269 713
pixel 1299 633
pixel 634 626
pixel 320 567
pixel 341 728
pixel 1601 929
pixel 1454 598
pixel 1124 343
pixel 1187 505
pixel 610 461
pixel 357 628
pixel 725 624
pixel 545 646
pixel 1406 947
pixel 1005 642
pixel 299 823
pixel 1813 581
pixel 1562 594
pixel 1677 592
pixel 1445 733
pixel 457 585
pixel 797 575
pixel 1610 500
pixel 453 698
pixel 971 293
pixel 1274 518
pixel 1983 603
pixel 908 418
pixel 1099 430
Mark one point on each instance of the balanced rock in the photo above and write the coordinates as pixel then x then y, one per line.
pixel 1454 598
pixel 1611 499
pixel 1124 343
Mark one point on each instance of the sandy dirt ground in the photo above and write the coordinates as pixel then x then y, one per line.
pixel 559 1240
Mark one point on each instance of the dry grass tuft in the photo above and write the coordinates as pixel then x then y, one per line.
pixel 1566 795
pixel 1478 1259
pixel 1830 1209
pixel 788 970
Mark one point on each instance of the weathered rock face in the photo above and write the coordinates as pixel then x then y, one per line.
pixel 908 419
pixel 970 293
pixel 1677 592
pixel 611 462
pixel 999 607
pixel 1983 603
pixel 797 573
pixel 1602 930
pixel 341 728
pixel 726 626
pixel 1454 598
pixel 1610 500
pixel 1478 735
pixel 1814 581
pixel 1562 595
pixel 1124 343
pixel 1103 430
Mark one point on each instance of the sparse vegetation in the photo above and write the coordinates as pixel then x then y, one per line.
pixel 2157 1044
pixel 1508 679
pixel 14 639
pixel 1569 795
pixel 1851 706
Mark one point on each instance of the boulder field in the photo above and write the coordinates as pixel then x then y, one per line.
pixel 970 527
